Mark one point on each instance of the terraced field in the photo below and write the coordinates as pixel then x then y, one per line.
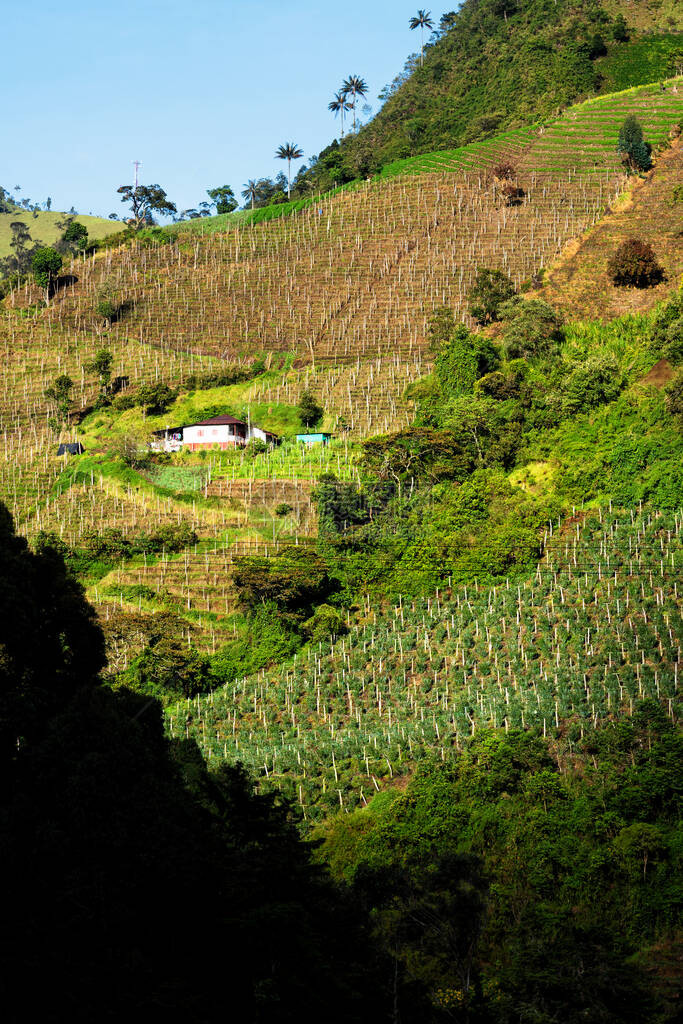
pixel 357 275
pixel 342 288
pixel 351 279
pixel 195 587
pixel 591 128
pixel 597 627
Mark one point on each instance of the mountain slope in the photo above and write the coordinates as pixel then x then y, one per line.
pixel 507 63
pixel 357 275
pixel 595 630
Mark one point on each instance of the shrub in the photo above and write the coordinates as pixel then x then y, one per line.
pixel 635 264
pixel 461 360
pixel 310 411
pixel 109 544
pixel 131 452
pixel 106 309
pixel 635 151
pixel 60 394
pixel 666 330
pixel 283 509
pixel 512 194
pixel 597 47
pixel 620 29
pixel 504 172
pixel 674 394
pixel 490 290
pixel 598 379
pixel 123 402
pixel 220 378
pixel 497 385
pixel 326 622
pixel 533 329
pixel 155 398
pixel 255 447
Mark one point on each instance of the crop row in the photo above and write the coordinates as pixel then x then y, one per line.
pixel 597 629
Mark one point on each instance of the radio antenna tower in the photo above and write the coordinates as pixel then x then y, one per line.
pixel 136 165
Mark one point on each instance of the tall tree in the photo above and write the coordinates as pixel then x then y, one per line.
pixel 635 151
pixel 340 105
pixel 46 263
pixel 20 245
pixel 355 86
pixel 289 151
pixel 250 192
pixel 60 394
pixel 223 198
pixel 101 365
pixel 145 200
pixel 422 20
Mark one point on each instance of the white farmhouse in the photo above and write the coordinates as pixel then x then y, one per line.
pixel 222 432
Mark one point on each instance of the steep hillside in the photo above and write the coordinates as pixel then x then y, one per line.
pixel 334 297
pixel 596 629
pixel 357 275
pixel 508 63
pixel 580 285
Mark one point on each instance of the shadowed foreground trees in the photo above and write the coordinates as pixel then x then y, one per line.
pixel 134 880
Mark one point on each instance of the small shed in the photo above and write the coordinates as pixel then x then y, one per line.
pixel 168 440
pixel 316 438
pixel 71 448
pixel 256 433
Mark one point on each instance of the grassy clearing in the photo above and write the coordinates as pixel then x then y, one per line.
pixel 43 227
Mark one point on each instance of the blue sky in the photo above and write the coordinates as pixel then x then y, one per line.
pixel 201 92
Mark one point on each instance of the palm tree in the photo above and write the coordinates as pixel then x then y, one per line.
pixel 357 86
pixel 339 105
pixel 251 192
pixel 290 151
pixel 422 21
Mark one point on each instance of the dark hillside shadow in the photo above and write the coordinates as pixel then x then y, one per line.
pixel 62 282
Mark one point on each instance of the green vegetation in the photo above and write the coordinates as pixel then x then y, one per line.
pixel 649 59
pixel 60 394
pixel 518 862
pixel 46 264
pixel 310 410
pixel 498 66
pixel 223 198
pixel 399 712
pixel 144 202
pixel 635 151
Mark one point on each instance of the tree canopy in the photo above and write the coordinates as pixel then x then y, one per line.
pixel 144 201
